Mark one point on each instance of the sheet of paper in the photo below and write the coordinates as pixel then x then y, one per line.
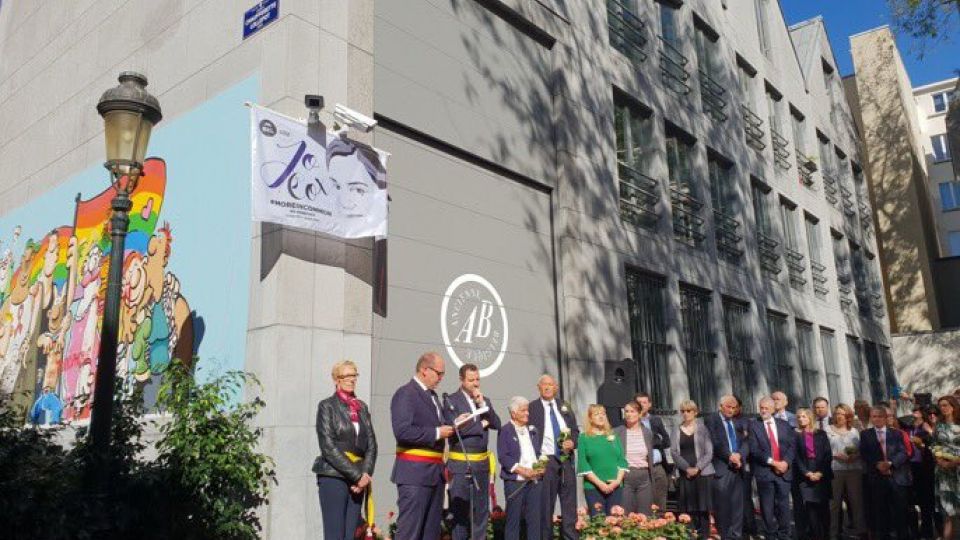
pixel 475 414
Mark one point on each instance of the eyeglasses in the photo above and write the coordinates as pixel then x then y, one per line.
pixel 437 371
pixel 348 376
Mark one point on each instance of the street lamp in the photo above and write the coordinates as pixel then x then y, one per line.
pixel 129 113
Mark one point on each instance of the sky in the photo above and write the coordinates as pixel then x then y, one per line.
pixel 844 18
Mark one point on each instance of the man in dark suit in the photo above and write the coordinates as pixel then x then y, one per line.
pixel 772 451
pixel 518 449
pixel 554 420
pixel 661 445
pixel 475 436
pixel 780 402
pixel 416 415
pixel 886 473
pixel 730 453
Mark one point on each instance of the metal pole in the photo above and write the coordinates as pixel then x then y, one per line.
pixel 102 414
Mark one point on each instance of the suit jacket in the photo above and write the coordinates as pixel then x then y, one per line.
pixel 703 447
pixel 871 453
pixel 475 436
pixel 661 437
pixel 541 421
pixel 414 417
pixel 791 419
pixel 721 446
pixel 508 447
pixel 621 431
pixel 822 462
pixel 336 436
pixel 761 451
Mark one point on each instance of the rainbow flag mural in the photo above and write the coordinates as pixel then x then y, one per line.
pixel 52 296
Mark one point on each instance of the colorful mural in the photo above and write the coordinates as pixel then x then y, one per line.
pixel 185 266
pixel 53 295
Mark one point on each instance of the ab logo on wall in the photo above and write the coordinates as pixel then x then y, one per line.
pixel 473 323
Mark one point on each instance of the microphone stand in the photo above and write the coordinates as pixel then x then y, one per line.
pixel 474 486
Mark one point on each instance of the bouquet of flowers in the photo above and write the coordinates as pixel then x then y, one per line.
pixel 619 525
pixel 851 450
pixel 563 437
pixel 541 464
pixel 945 453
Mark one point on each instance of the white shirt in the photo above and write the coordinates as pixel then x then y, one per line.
pixel 527 454
pixel 470 402
pixel 439 414
pixel 549 445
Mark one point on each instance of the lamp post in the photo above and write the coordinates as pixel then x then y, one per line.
pixel 129 113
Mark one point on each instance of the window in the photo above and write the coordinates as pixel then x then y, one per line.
pixel 829 346
pixel 668 24
pixel 695 312
pixel 953 242
pixel 767 245
pixel 627 32
pixel 889 371
pixel 760 6
pixel 949 195
pixel 712 94
pixel 780 353
pixel 878 391
pixel 809 370
pixel 941 101
pixel 722 195
pixel 941 152
pixel 828 169
pixel 817 268
pixel 639 194
pixel 686 206
pixel 738 336
pixel 673 70
pixel 856 368
pixel 648 334
pixel 842 262
pixel 791 245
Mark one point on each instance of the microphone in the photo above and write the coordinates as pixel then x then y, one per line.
pixel 446 400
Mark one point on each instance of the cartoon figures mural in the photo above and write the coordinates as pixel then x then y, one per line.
pixel 51 303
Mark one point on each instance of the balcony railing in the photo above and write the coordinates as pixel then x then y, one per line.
pixel 848 206
pixel 726 229
pixel 781 156
pixel 866 218
pixel 830 188
pixel 805 168
pixel 769 255
pixel 711 94
pixel 844 288
pixel 687 223
pixel 628 32
pixel 673 68
pixel 639 195
pixel 795 267
pixel 753 128
pixel 818 272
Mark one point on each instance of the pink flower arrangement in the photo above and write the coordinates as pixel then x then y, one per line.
pixel 635 526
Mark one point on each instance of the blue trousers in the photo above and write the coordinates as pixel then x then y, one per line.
pixel 419 511
pixel 775 508
pixel 523 500
pixel 606 502
pixel 339 507
pixel 459 494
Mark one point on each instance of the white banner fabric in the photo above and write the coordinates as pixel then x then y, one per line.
pixel 315 179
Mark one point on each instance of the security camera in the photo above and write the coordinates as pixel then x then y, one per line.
pixel 352 119
pixel 314 103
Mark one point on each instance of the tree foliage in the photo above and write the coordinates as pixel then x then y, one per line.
pixel 928 21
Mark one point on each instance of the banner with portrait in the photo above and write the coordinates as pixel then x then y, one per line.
pixel 315 179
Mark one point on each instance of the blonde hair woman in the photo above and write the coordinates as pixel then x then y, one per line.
pixel 847 471
pixel 348 453
pixel 813 478
pixel 600 461
pixel 692 451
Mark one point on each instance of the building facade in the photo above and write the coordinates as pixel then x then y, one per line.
pixel 572 184
pixel 933 103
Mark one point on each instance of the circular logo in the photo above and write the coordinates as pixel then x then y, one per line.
pixel 473 323
pixel 268 128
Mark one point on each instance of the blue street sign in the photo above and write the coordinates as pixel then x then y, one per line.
pixel 259 16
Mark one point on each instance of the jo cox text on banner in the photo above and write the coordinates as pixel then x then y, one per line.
pixel 314 179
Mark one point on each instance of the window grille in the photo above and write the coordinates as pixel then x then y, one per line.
pixel 781 367
pixel 648 334
pixel 695 313
pixel 627 30
pixel 829 346
pixel 736 320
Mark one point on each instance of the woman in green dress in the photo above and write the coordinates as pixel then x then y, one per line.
pixel 946 448
pixel 600 461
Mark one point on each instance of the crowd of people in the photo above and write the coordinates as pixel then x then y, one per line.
pixel 816 473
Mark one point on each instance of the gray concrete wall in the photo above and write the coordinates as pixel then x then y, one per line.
pixel 928 361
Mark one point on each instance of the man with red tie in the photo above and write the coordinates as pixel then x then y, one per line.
pixel 771 458
pixel 886 475
pixel 421 431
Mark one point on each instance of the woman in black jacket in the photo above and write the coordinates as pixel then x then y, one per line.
pixel 812 479
pixel 348 453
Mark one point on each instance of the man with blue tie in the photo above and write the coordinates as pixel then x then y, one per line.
pixel 555 421
pixel 518 448
pixel 771 455
pixel 886 475
pixel 420 431
pixel 730 453
pixel 475 435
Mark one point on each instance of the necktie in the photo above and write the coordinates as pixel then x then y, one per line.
pixel 822 421
pixel 436 403
pixel 555 424
pixel 774 447
pixel 883 443
pixel 732 436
